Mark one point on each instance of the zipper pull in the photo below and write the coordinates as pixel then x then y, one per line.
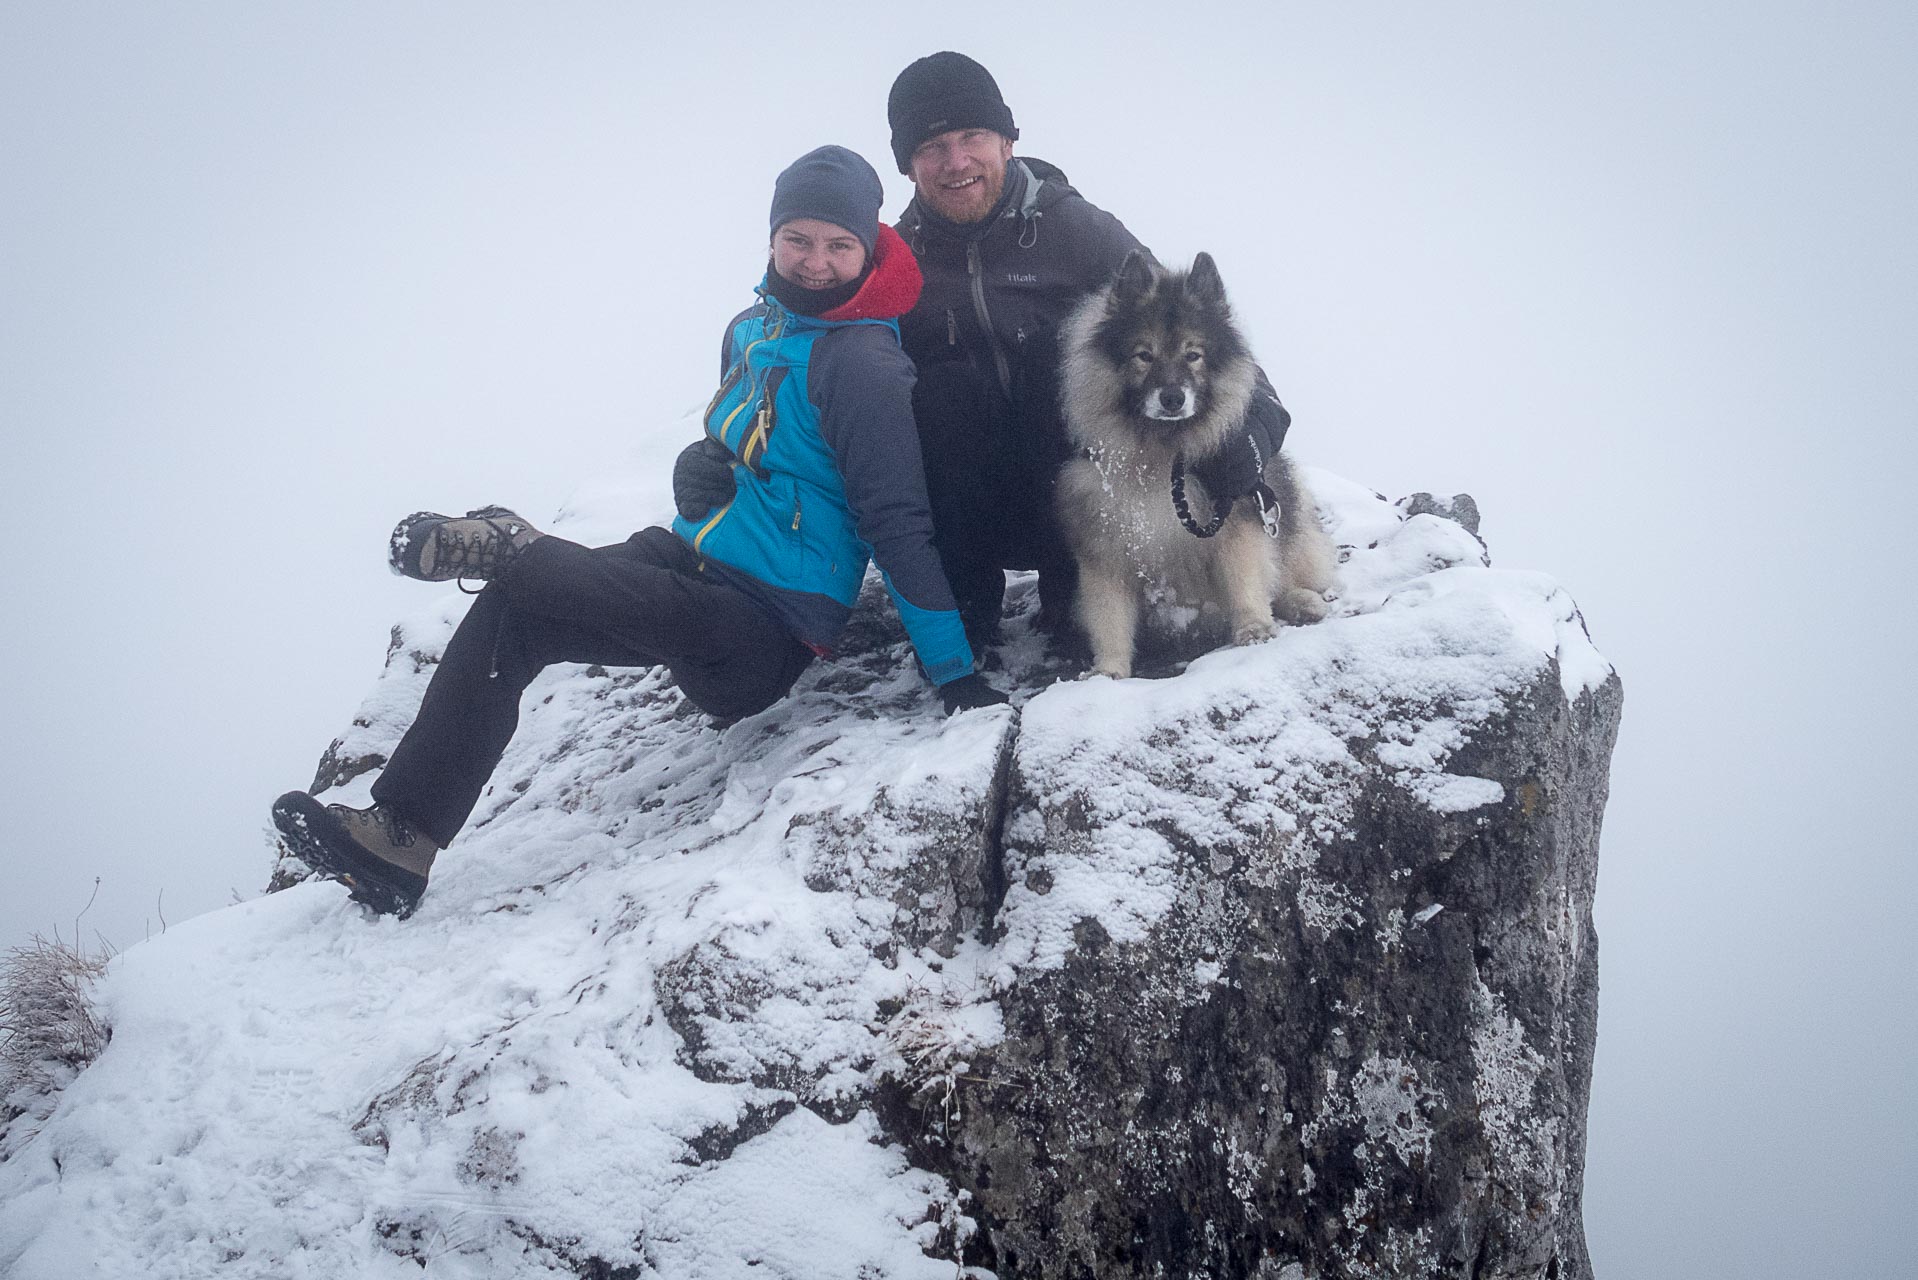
pixel 952 328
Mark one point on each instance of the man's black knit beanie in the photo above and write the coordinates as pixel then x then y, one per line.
pixel 943 91
pixel 833 185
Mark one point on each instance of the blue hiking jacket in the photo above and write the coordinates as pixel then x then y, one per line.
pixel 817 413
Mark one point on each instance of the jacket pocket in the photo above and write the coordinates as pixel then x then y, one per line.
pixel 788 518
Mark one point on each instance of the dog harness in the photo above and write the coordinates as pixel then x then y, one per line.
pixel 1221 507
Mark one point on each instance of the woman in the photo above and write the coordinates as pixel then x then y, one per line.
pixel 814 413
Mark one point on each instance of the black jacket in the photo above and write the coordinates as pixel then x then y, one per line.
pixel 997 291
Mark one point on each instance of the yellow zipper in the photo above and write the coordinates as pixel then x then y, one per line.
pixel 742 370
pixel 733 375
pixel 758 433
pixel 708 526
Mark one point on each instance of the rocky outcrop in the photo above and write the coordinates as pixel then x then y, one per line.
pixel 1295 972
pixel 1278 964
pixel 1354 1036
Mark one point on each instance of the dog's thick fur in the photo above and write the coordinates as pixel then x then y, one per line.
pixel 1152 366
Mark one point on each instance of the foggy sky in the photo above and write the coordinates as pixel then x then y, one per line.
pixel 1640 277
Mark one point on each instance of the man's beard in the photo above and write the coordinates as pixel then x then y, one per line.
pixel 969 205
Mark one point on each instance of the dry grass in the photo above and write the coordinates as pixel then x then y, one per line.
pixel 49 1028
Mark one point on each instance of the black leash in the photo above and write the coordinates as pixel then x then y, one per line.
pixel 1221 507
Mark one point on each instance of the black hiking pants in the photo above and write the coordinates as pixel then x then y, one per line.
pixel 990 472
pixel 639 603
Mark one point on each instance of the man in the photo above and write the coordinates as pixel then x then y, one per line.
pixel 1007 248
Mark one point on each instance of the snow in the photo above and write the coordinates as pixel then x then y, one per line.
pixel 641 1010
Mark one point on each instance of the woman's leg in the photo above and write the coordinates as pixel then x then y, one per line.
pixel 647 596
pixel 638 603
pixel 435 775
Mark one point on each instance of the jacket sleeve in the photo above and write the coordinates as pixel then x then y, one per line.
pixel 1112 242
pixel 861 383
pixel 1267 420
pixel 1096 241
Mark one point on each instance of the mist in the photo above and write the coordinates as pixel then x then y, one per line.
pixel 1641 278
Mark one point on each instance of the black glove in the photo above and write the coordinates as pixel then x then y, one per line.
pixel 1234 471
pixel 970 692
pixel 1239 466
pixel 703 477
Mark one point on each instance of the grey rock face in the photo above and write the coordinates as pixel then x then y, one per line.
pixel 1460 507
pixel 1282 967
pixel 935 859
pixel 1359 1050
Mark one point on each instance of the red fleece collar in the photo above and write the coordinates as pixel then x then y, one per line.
pixel 891 289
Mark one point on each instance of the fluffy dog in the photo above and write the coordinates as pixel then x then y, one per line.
pixel 1155 380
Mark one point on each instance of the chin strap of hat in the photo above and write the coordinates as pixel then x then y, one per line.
pixel 1221 507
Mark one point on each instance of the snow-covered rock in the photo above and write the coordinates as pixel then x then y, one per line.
pixel 1279 965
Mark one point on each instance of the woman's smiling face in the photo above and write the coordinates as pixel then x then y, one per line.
pixel 817 255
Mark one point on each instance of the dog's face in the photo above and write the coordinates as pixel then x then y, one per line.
pixel 1167 335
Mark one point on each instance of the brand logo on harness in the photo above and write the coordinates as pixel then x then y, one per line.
pixel 1014 277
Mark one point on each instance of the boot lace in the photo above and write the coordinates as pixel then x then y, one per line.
pixel 482 553
pixel 393 827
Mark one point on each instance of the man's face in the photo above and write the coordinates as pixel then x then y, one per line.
pixel 961 172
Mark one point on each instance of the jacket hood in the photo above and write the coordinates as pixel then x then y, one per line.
pixel 1056 186
pixel 890 289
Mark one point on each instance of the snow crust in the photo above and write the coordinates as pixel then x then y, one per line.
pixel 641 1012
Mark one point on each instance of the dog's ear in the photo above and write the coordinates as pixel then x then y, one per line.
pixel 1202 283
pixel 1135 276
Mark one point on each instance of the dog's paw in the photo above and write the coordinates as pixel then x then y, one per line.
pixel 1301 607
pixel 1253 630
pixel 1112 670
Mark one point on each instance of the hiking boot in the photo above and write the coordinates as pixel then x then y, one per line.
pixel 479 545
pixel 372 851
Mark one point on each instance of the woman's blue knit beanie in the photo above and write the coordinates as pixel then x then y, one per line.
pixel 834 185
